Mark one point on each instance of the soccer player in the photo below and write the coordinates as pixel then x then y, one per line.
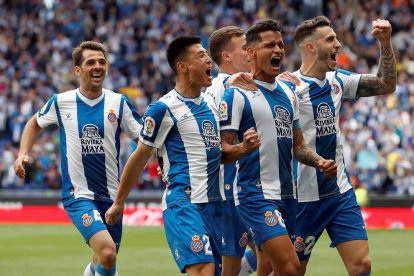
pixel 184 128
pixel 265 186
pixel 90 119
pixel 330 203
pixel 227 48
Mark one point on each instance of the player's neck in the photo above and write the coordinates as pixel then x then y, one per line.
pixel 90 93
pixel 228 69
pixel 311 69
pixel 188 89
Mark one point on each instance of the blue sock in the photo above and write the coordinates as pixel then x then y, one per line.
pixel 105 272
pixel 251 259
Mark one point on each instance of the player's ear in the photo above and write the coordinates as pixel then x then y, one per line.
pixel 182 67
pixel 225 55
pixel 77 70
pixel 309 47
pixel 250 51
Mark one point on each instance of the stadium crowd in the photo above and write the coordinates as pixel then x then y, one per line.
pixel 37 38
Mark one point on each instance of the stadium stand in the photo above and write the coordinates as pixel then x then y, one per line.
pixel 37 37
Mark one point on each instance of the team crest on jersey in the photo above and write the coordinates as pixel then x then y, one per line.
pixel 270 218
pixel 211 140
pixel 243 240
pixel 91 141
pixel 325 122
pixel 112 116
pixel 196 244
pixel 149 126
pixel 282 122
pixel 223 111
pixel 299 244
pixel 335 88
pixel 87 220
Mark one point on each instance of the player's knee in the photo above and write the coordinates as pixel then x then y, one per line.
pixel 291 268
pixel 363 266
pixel 205 269
pixel 107 257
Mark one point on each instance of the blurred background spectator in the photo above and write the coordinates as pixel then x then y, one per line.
pixel 37 37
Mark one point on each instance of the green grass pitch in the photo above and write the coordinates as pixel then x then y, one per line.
pixel 58 250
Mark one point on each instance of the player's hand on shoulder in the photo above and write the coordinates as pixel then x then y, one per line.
pixel 20 164
pixel 242 80
pixel 381 29
pixel 114 213
pixel 328 167
pixel 290 77
pixel 251 140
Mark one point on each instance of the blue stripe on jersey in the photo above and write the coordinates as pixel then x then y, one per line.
pixel 66 181
pixel 203 115
pixel 135 114
pixel 91 132
pixel 229 169
pixel 225 81
pixel 325 143
pixel 179 171
pixel 279 98
pixel 118 134
pixel 249 165
pixel 52 100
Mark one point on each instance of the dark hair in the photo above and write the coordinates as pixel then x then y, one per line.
pixel 219 41
pixel 77 53
pixel 177 49
pixel 253 33
pixel 308 27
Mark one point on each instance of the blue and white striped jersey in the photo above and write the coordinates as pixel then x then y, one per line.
pixel 227 171
pixel 273 111
pixel 185 132
pixel 90 140
pixel 319 105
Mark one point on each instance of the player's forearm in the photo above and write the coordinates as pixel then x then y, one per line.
pixel 131 173
pixel 305 155
pixel 29 136
pixel 232 153
pixel 386 80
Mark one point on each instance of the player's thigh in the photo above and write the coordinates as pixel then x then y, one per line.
pixel 263 218
pixel 281 252
pixel 348 223
pixel 353 252
pixel 187 235
pixel 311 220
pixel 85 216
pixel 235 233
pixel 102 241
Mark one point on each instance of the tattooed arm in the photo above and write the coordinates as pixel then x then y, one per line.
pixel 305 155
pixel 232 152
pixel 386 79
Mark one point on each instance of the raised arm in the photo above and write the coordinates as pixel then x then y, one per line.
pixel 133 168
pixel 305 155
pixel 231 151
pixel 386 79
pixel 29 136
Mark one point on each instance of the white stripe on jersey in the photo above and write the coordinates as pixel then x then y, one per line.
pixel 324 96
pixel 77 173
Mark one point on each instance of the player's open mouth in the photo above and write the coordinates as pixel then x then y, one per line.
pixel 96 76
pixel 208 72
pixel 333 57
pixel 275 61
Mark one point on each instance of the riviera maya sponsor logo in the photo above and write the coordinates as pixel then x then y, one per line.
pixel 91 141
pixel 325 122
pixel 282 122
pixel 210 137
